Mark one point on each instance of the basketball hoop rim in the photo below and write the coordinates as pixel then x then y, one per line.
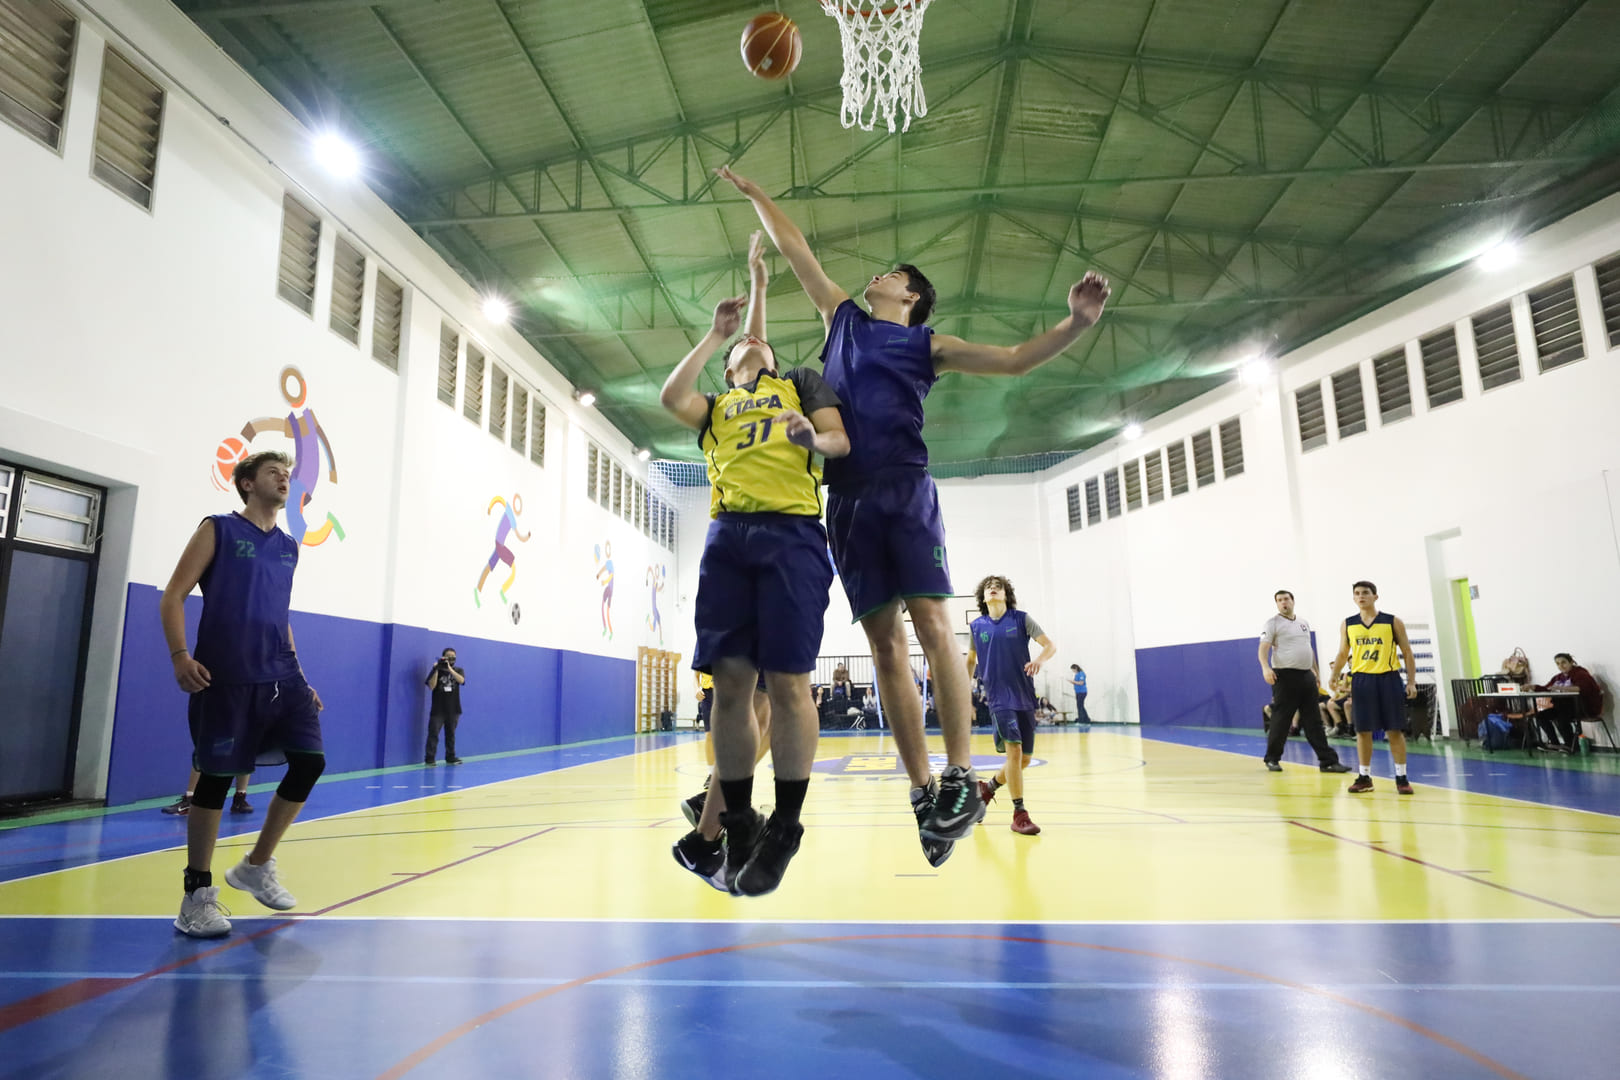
pixel 854 13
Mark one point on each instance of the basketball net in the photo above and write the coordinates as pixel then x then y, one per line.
pixel 882 68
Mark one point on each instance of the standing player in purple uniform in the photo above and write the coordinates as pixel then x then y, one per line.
pixel 249 701
pixel 883 514
pixel 998 654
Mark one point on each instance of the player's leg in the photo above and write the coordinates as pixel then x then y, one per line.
pixel 506 556
pixel 1396 724
pixel 240 804
pixel 902 705
pixel 182 805
pixel 1366 717
pixel 294 727
pixel 219 721
pixel 952 693
pixel 736 749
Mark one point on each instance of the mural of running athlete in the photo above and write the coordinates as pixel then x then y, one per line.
pixel 309 439
pixel 655 585
pixel 506 526
pixel 604 576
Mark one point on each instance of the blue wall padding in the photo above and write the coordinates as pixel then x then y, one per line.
pixel 371 677
pixel 1204 684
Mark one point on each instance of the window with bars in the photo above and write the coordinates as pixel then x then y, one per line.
pixel 1093 502
pixel 628 513
pixel 655 517
pixel 1394 386
pixel 300 248
pixel 1349 408
pixel 1111 492
pixel 500 385
pixel 388 321
pixel 1442 367
pixel 8 477
pixel 537 431
pixel 58 513
pixel 591 457
pixel 129 123
pixel 1608 283
pixel 1556 318
pixel 1312 416
pixel 1176 455
pixel 604 482
pixel 348 290
pixel 449 345
pixel 618 489
pixel 1155 477
pixel 1133 486
pixel 1076 515
pixel 1204 458
pixel 472 395
pixel 520 416
pixel 36 66
pixel 1495 347
pixel 1232 447
pixel 640 520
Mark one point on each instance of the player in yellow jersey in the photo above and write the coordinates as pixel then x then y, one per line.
pixel 1368 640
pixel 764 578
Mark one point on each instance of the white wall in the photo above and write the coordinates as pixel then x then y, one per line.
pixel 137 341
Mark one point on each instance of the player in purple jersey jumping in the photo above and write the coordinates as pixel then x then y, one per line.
pixel 883 516
pixel 998 655
pixel 249 701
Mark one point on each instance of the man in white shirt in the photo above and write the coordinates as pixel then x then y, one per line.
pixel 1288 662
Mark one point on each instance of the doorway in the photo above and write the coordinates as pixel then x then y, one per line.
pixel 1462 602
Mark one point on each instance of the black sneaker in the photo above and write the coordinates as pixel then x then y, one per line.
pixel 181 806
pixel 1337 766
pixel 777 845
pixel 1274 766
pixel 956 806
pixel 429 762
pixel 922 805
pixel 452 761
pixel 1363 783
pixel 742 834
pixel 705 858
pixel 693 807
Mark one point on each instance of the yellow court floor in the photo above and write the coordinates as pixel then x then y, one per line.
pixel 1134 830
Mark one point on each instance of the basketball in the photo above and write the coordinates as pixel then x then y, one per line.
pixel 230 450
pixel 771 45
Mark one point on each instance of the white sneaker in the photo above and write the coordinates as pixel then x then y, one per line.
pixel 202 915
pixel 262 883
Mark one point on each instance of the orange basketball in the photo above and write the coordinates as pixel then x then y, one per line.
pixel 226 455
pixel 771 45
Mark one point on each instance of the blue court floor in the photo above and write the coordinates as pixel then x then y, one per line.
pixel 1184 914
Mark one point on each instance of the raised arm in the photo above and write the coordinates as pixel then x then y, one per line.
pixel 758 279
pixel 680 395
pixel 1086 300
pixel 792 244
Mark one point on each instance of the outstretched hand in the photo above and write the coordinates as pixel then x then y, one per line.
pixel 746 186
pixel 728 315
pixel 798 428
pixel 756 253
pixel 1087 297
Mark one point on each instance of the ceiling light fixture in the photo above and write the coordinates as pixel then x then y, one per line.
pixel 1255 371
pixel 497 310
pixel 1499 256
pixel 337 155
pixel 642 453
pixel 586 398
pixel 1132 432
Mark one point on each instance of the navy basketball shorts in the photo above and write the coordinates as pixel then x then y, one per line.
pixel 235 727
pixel 1016 726
pixel 1378 702
pixel 888 539
pixel 763 587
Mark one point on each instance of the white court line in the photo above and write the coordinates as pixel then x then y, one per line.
pixel 1000 923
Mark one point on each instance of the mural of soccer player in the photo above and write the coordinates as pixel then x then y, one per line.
pixel 506 526
pixel 604 577
pixel 309 439
pixel 655 585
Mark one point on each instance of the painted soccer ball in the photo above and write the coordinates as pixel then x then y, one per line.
pixel 517 613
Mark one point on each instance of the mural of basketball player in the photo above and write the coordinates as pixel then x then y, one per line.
pixel 604 577
pixel 655 585
pixel 309 439
pixel 506 526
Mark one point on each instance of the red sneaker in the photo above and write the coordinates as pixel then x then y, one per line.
pixel 985 794
pixel 1022 825
pixel 1403 786
pixel 1363 783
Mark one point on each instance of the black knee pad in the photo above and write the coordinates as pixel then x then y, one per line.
pixel 211 791
pixel 303 769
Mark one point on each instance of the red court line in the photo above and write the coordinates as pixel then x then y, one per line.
pixel 44 1004
pixel 421 1055
pixel 1464 875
